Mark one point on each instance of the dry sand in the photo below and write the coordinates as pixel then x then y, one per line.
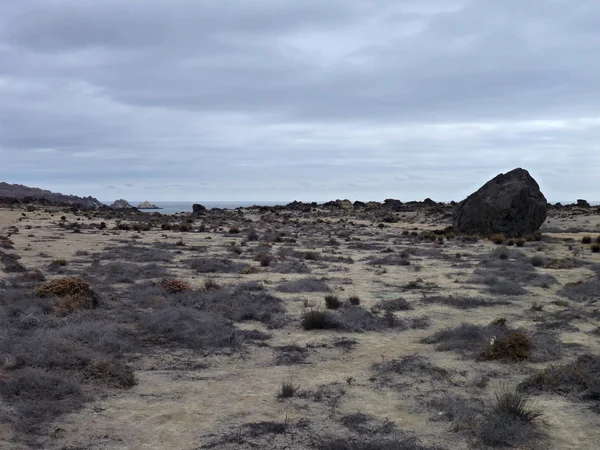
pixel 177 408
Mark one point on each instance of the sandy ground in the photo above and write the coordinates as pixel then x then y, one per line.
pixel 176 408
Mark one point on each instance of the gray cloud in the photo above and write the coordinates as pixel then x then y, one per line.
pixel 284 99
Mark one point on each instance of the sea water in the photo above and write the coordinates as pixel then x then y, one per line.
pixel 186 207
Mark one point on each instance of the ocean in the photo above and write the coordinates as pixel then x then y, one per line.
pixel 185 207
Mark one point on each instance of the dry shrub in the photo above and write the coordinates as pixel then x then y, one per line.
pixel 109 372
pixel 514 347
pixel 71 294
pixel 63 306
pixel 174 285
pixel 497 238
pixel 586 240
pixel 68 286
pixel 520 242
pixel 560 263
pixel 332 302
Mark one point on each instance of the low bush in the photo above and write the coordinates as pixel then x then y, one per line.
pixel 109 372
pixel 354 300
pixel 304 285
pixel 215 265
pixel 538 261
pixel 463 302
pixel 498 238
pixel 396 304
pixel 514 347
pixel 319 320
pixel 580 378
pixel 174 285
pixel 191 328
pixel 332 302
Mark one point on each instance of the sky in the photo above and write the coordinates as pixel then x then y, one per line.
pixel 313 100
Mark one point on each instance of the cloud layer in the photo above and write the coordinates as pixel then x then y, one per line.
pixel 298 99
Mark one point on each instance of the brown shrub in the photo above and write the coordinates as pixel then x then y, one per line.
pixel 173 285
pixel 520 242
pixel 514 347
pixel 71 294
pixel 63 306
pixel 497 238
pixel 67 286
pixel 109 372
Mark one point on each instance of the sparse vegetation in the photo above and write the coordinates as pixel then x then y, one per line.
pixel 332 302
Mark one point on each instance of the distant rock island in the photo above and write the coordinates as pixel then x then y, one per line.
pixel 148 205
pixel 17 193
pixel 121 204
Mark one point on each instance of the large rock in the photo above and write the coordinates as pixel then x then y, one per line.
pixel 198 209
pixel 147 205
pixel 511 203
pixel 121 204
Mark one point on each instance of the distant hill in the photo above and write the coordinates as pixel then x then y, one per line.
pixel 13 192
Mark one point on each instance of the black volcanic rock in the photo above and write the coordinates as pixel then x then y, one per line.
pixel 392 204
pixel 583 203
pixel 197 208
pixel 300 206
pixel 511 203
pixel 429 202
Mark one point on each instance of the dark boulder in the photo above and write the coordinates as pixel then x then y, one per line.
pixel 583 203
pixel 511 203
pixel 392 204
pixel 197 208
pixel 429 202
pixel 359 205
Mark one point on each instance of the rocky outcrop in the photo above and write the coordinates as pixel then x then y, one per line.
pixel 583 203
pixel 147 205
pixel 392 204
pixel 121 204
pixel 511 203
pixel 17 192
pixel 340 204
pixel 300 206
pixel 197 208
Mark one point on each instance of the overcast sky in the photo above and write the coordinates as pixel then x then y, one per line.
pixel 277 100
